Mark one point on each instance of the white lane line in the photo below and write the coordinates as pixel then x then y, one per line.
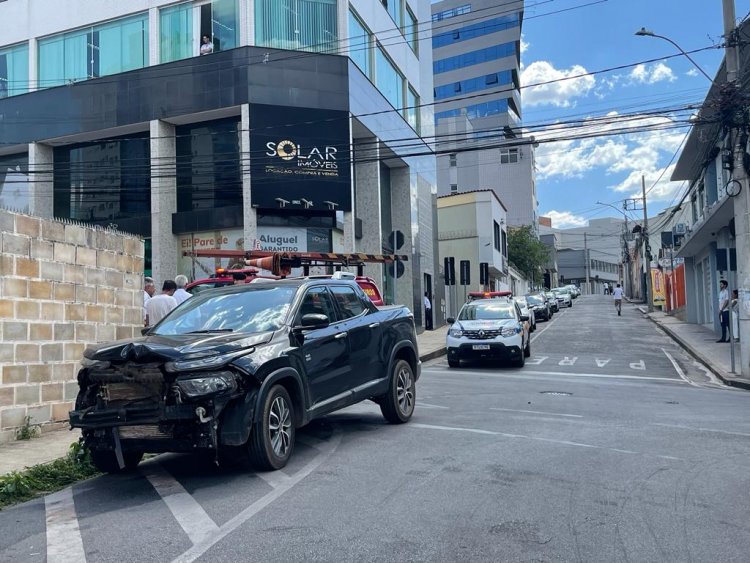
pixel 539 333
pixel 64 542
pixel 189 514
pixel 710 375
pixel 429 406
pixel 694 429
pixel 530 372
pixel 678 369
pixel 536 438
pixel 537 412
pixel 275 479
pixel 202 547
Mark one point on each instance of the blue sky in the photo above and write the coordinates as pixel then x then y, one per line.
pixel 573 175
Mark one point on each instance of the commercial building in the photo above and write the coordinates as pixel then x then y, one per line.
pixel 477 58
pixel 472 228
pixel 226 124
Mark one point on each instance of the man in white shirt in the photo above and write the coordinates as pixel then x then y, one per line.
pixel 160 305
pixel 617 294
pixel 148 292
pixel 427 312
pixel 181 295
pixel 724 310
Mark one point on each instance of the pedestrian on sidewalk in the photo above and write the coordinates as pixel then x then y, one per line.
pixel 724 310
pixel 427 312
pixel 617 294
pixel 181 295
pixel 160 305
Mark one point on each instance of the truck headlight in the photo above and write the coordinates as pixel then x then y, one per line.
pixel 199 361
pixel 209 384
pixel 456 332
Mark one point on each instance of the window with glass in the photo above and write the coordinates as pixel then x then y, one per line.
pixel 478 29
pixel 395 9
pixel 14 70
pixel 496 235
pixel 101 50
pixel 306 25
pixel 508 156
pixel 350 305
pixel 412 30
pixel 105 182
pixel 176 32
pixel 360 44
pixel 451 13
pixel 209 174
pixel 220 23
pixel 15 184
pixel 390 81
pixel 474 57
pixel 412 109
pixel 475 111
pixel 453 159
pixel 474 84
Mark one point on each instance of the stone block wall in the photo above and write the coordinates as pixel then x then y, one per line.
pixel 63 286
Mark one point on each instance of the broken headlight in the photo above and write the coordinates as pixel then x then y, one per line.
pixel 208 384
pixel 203 360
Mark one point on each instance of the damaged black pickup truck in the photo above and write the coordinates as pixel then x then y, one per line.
pixel 235 371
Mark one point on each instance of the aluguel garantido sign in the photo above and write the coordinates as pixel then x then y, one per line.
pixel 300 158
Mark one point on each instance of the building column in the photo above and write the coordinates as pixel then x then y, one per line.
pixel 247 24
pixel 154 45
pixel 401 203
pixel 367 201
pixel 691 298
pixel 33 65
pixel 41 192
pixel 250 215
pixel 163 201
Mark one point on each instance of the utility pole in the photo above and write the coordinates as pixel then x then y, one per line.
pixel 626 269
pixel 649 301
pixel 587 262
pixel 741 200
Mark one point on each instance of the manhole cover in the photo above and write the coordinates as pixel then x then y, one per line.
pixel 562 393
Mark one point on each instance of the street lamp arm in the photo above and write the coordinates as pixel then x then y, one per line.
pixel 645 33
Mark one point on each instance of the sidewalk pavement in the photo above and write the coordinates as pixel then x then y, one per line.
pixel 15 456
pixel 700 342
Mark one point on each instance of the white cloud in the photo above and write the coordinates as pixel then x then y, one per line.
pixel 524 44
pixel 565 219
pixel 561 92
pixel 651 74
pixel 692 72
pixel 663 190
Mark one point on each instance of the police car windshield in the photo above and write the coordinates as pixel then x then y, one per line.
pixel 485 310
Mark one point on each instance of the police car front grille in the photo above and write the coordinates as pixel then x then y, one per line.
pixel 481 334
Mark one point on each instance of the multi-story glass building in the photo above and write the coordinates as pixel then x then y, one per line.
pixel 266 124
pixel 476 50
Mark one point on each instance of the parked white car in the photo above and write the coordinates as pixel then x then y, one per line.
pixel 564 299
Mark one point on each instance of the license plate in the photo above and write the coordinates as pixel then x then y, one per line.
pixel 481 347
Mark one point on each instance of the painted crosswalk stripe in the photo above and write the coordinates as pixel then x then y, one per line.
pixel 189 514
pixel 64 542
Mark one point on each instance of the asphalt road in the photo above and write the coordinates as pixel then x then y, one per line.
pixel 611 445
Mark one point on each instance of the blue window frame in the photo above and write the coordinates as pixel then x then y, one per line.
pixel 389 80
pixel 474 57
pixel 452 13
pixel 14 70
pixel 475 30
pixel 360 50
pixel 473 84
pixel 306 25
pixel 477 110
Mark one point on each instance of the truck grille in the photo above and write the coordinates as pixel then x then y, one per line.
pixel 130 382
pixel 481 334
pixel 143 432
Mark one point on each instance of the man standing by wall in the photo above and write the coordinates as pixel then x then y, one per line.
pixel 148 293
pixel 160 305
pixel 427 312
pixel 724 310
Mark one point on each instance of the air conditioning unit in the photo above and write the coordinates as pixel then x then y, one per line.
pixel 680 229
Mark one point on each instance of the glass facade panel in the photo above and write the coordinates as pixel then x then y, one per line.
pixel 113 47
pixel 15 186
pixel 307 25
pixel 474 57
pixel 390 82
pixel 412 30
pixel 209 174
pixel 176 32
pixel 451 13
pixel 475 30
pixel 411 112
pixel 474 84
pixel 106 182
pixel 225 24
pixel 395 9
pixel 14 71
pixel 359 44
pixel 477 110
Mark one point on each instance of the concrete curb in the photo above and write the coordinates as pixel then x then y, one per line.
pixel 432 355
pixel 720 373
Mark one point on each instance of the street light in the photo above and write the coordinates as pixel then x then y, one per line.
pixel 643 32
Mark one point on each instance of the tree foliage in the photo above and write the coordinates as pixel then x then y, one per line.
pixel 527 253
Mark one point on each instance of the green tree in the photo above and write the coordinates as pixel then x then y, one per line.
pixel 527 253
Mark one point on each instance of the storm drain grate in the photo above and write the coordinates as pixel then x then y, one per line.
pixel 560 393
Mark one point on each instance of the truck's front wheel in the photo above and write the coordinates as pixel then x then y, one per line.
pixel 272 437
pixel 397 405
pixel 106 460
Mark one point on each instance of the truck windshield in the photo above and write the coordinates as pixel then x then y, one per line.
pixel 260 309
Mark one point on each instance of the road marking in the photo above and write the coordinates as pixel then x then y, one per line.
pixel 537 412
pixel 536 438
pixel 602 363
pixel 429 406
pixel 274 479
pixel 536 361
pixel 701 429
pixel 64 542
pixel 202 547
pixel 186 510
pixel 539 333
pixel 639 365
pixel 678 369
pixel 566 361
pixel 709 374
pixel 523 372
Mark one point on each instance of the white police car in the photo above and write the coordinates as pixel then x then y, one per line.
pixel 489 329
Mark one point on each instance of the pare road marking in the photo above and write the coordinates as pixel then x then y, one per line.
pixel 639 365
pixel 536 361
pixel 602 363
pixel 566 361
